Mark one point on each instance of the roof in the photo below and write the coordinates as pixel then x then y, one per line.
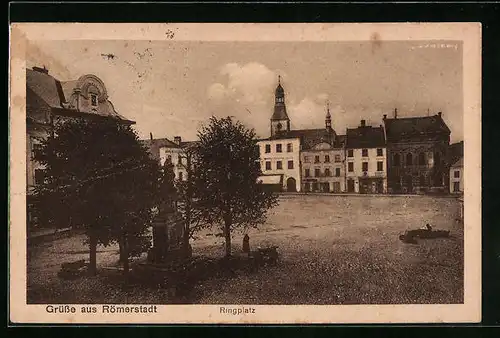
pixel 415 127
pixel 45 87
pixel 365 137
pixel 456 151
pixel 154 145
pixel 279 112
pixel 58 96
pixel 459 163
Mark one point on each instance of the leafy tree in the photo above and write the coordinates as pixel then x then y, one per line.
pixel 101 179
pixel 188 205
pixel 227 168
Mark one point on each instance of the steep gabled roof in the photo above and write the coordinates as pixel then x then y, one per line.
pixel 415 127
pixel 365 137
pixel 46 87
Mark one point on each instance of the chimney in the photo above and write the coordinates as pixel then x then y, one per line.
pixel 439 114
pixel 177 140
pixel 395 113
pixel 41 70
pixel 385 116
pixel 151 136
pixel 363 123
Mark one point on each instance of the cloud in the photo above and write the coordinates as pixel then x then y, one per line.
pixel 308 113
pixel 250 83
pixel 216 91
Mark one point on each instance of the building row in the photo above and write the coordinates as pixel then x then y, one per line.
pixel 401 155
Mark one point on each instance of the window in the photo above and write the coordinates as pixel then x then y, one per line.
pixel 327 172
pixel 307 159
pixel 307 186
pixel 93 100
pixel 350 153
pixel 181 178
pixel 365 166
pixel 268 148
pixel 290 164
pixel 278 148
pixel 36 148
pixel 380 152
pixel 350 167
pixel 268 165
pixel 422 181
pixel 364 152
pixel 289 147
pixel 307 172
pixel 421 159
pixel 456 174
pixel 317 172
pixel 337 158
pixel 396 160
pixel 327 158
pixel 409 159
pixel 316 159
pixel 39 176
pixel 337 172
pixel 169 159
pixel 380 166
pixel 456 186
pixel 279 165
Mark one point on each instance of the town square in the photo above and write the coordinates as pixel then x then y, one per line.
pixel 249 178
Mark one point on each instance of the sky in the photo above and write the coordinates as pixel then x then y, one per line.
pixel 172 87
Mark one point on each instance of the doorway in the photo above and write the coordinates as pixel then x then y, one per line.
pixel 291 185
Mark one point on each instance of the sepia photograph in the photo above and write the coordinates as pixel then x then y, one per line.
pixel 172 166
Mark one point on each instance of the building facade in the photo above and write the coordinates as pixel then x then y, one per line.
pixel 176 152
pixel 322 159
pixel 365 158
pixel 280 161
pixel 457 177
pixel 417 154
pixel 49 101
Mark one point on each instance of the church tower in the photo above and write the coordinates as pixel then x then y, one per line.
pixel 280 123
pixel 328 118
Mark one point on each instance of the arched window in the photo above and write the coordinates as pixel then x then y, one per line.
pixel 421 159
pixel 396 160
pixel 409 159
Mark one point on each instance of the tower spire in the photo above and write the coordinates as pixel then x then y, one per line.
pixel 279 79
pixel 328 118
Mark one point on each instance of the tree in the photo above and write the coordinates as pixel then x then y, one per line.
pixel 186 198
pixel 227 168
pixel 101 179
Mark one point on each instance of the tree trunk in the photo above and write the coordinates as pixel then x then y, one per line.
pixel 93 254
pixel 120 244
pixel 125 255
pixel 227 234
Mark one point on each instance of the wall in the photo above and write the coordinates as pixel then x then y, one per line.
pixel 308 162
pixel 284 157
pixel 459 179
pixel 372 172
pixel 176 155
pixel 398 175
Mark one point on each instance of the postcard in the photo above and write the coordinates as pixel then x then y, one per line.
pixel 172 173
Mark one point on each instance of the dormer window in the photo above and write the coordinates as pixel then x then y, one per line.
pixel 93 100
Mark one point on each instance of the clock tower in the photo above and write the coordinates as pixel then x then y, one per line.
pixel 280 123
